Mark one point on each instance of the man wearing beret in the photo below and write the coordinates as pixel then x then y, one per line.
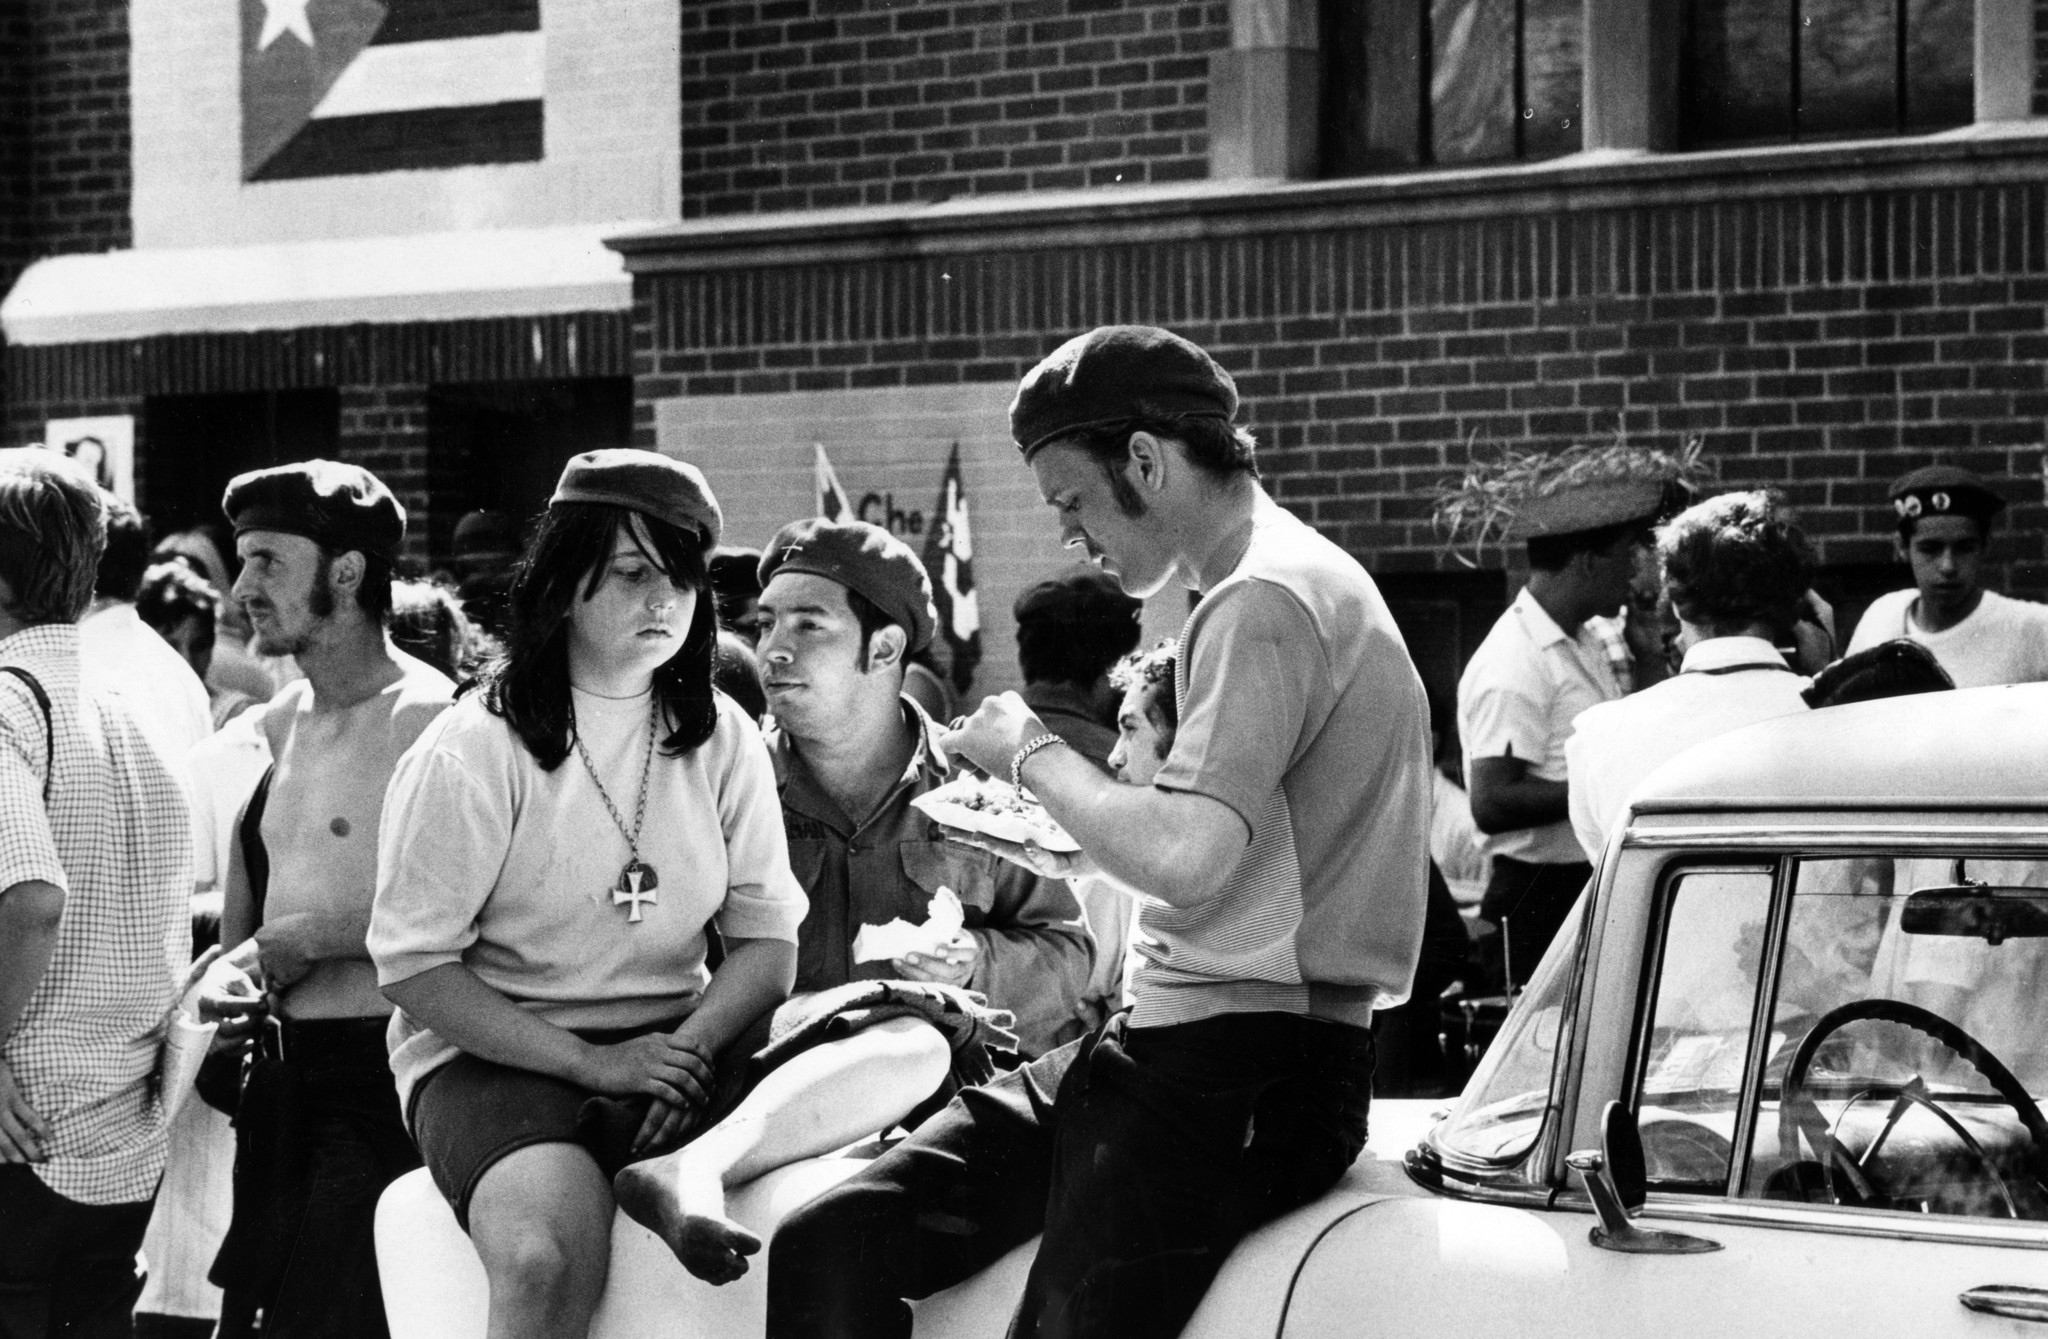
pixel 843 603
pixel 1279 856
pixel 319 1131
pixel 1945 518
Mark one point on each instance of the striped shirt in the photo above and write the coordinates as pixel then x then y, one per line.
pixel 1302 712
pixel 115 836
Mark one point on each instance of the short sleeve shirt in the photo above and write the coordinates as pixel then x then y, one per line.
pixel 488 860
pixel 1300 710
pixel 2002 641
pixel 115 836
pixel 1525 686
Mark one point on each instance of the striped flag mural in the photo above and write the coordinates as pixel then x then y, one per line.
pixel 341 87
pixel 832 500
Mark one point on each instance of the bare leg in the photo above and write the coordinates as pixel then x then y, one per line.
pixel 823 1099
pixel 542 1223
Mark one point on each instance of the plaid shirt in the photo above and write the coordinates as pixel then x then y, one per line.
pixel 115 836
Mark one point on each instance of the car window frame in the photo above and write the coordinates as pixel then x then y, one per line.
pixel 1787 839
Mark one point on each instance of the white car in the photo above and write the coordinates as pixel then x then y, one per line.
pixel 1777 1075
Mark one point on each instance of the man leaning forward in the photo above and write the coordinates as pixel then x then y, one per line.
pixel 1279 861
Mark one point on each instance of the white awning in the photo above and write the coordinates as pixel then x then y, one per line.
pixel 289 285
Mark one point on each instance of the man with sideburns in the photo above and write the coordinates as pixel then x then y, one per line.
pixel 1281 852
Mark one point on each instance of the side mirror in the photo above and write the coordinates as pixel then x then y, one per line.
pixel 1616 1181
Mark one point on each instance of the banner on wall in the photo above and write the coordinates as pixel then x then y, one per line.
pixel 340 87
pixel 832 501
pixel 104 447
pixel 949 560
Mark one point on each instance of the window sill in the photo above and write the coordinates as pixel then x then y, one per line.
pixel 1601 179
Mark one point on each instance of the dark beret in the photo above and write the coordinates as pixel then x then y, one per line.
pixel 864 558
pixel 337 505
pixel 1113 374
pixel 1084 598
pixel 1943 490
pixel 647 482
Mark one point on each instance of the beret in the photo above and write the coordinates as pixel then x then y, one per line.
pixel 486 532
pixel 647 482
pixel 334 504
pixel 1589 507
pixel 1085 597
pixel 1943 490
pixel 860 557
pixel 1113 374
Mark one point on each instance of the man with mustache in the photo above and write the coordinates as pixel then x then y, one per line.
pixel 1279 854
pixel 319 1131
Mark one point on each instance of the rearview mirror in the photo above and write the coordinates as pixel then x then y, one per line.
pixel 1983 911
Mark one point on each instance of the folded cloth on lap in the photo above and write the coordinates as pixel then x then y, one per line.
pixel 606 1125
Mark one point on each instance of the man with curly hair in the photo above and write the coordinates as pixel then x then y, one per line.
pixel 1736 570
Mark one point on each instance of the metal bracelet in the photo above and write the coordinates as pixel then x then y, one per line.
pixel 1030 746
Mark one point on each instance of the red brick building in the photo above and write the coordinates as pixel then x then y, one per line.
pixel 1813 233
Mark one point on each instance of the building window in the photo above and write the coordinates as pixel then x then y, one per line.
pixel 1779 71
pixel 1450 82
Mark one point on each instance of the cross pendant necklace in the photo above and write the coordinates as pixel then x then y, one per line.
pixel 638 883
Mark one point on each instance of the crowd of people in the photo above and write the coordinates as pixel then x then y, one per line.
pixel 554 876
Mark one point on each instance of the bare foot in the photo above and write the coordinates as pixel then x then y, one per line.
pixel 711 1246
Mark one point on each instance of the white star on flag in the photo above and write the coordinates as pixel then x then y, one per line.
pixel 285 16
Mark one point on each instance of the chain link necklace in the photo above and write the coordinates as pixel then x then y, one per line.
pixel 637 881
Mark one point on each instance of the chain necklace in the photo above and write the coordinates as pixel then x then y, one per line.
pixel 637 881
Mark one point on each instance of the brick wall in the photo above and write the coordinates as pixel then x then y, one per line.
pixel 809 104
pixel 80 176
pixel 1819 342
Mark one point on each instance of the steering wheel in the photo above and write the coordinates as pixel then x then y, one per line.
pixel 1798 1113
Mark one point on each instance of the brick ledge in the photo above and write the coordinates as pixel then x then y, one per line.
pixel 1978 155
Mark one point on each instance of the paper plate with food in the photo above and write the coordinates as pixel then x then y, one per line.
pixel 996 809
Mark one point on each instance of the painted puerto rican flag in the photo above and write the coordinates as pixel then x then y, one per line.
pixel 341 87
pixel 949 561
pixel 832 501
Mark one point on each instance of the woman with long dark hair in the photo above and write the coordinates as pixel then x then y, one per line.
pixel 555 851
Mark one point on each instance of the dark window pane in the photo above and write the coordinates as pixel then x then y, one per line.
pixel 1472 91
pixel 1553 76
pixel 1738 71
pixel 1941 36
pixel 1848 73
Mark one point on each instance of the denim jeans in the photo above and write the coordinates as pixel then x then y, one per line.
pixel 66 1268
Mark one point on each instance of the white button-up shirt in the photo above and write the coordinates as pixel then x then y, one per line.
pixel 1526 684
pixel 116 837
pixel 1723 684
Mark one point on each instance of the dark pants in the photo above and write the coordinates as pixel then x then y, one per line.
pixel 66 1268
pixel 1142 1154
pixel 1529 902
pixel 301 1248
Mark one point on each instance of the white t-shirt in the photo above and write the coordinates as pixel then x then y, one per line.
pixel 1617 744
pixel 2002 641
pixel 167 699
pixel 1525 686
pixel 489 861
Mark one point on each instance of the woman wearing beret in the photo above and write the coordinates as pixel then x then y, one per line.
pixel 555 851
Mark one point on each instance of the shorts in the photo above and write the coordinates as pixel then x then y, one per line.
pixel 471 1114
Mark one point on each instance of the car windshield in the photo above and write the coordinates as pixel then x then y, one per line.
pixel 1501 1112
pixel 1903 1057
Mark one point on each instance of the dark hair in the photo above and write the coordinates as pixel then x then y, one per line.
pixel 737 673
pixel 428 623
pixel 871 619
pixel 1735 559
pixel 1153 668
pixel 528 686
pixel 1075 651
pixel 1550 553
pixel 1898 668
pixel 1218 448
pixel 373 592
pixel 126 556
pixel 170 593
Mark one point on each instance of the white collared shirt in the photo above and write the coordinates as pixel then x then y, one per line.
pixel 1724 683
pixel 1518 697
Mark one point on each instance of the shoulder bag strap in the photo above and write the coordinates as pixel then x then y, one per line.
pixel 35 688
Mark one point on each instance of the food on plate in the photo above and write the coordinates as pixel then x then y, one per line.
pixel 899 938
pixel 994 809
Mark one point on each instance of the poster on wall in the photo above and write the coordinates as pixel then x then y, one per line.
pixel 104 446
